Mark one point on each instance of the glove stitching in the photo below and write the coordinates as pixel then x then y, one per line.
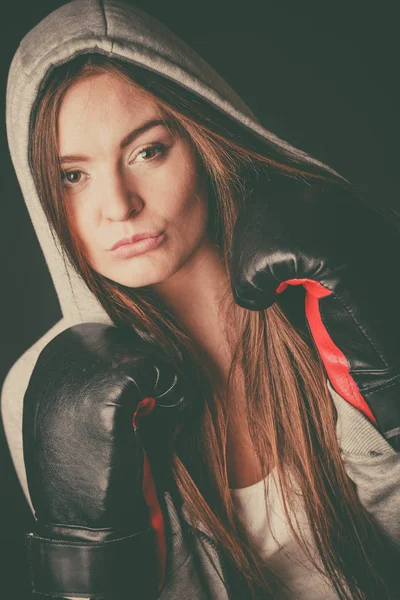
pixel 351 392
pixel 384 386
pixel 87 544
pixel 31 567
pixel 361 329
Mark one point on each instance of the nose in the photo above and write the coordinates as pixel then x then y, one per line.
pixel 118 199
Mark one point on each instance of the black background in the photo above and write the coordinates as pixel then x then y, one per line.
pixel 322 75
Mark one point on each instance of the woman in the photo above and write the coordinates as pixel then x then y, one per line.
pixel 108 86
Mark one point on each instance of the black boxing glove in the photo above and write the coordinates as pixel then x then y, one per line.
pixel 99 409
pixel 346 255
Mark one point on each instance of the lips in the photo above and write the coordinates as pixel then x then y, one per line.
pixel 134 238
pixel 127 250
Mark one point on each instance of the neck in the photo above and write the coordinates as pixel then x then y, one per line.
pixel 199 294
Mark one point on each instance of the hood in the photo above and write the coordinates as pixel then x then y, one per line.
pixel 125 32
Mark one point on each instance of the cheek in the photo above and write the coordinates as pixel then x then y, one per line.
pixel 184 192
pixel 83 229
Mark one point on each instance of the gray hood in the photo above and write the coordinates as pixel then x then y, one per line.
pixel 120 31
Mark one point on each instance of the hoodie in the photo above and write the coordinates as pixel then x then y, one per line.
pixel 123 31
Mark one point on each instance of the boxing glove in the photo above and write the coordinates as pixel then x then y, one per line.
pixel 99 411
pixel 345 254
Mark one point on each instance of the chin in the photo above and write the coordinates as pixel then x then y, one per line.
pixel 138 282
pixel 135 276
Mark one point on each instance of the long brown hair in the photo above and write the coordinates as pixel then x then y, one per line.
pixel 291 416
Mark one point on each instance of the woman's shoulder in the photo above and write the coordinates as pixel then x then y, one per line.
pixel 356 434
pixel 371 463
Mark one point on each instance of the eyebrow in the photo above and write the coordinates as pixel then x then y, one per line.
pixel 125 142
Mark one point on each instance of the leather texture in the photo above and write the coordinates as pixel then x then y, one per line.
pixel 345 253
pixel 86 462
pixel 93 570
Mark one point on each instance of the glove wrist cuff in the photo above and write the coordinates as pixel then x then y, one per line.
pixel 122 567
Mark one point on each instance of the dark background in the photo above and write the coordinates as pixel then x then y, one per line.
pixel 322 75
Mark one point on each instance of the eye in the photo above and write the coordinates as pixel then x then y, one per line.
pixel 159 149
pixel 74 180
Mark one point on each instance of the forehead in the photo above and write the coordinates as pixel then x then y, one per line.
pixel 100 104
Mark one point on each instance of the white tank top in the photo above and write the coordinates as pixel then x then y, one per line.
pixel 275 544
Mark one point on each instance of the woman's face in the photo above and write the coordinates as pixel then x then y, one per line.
pixel 119 184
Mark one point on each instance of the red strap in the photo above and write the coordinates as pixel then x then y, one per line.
pixel 336 364
pixel 150 495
